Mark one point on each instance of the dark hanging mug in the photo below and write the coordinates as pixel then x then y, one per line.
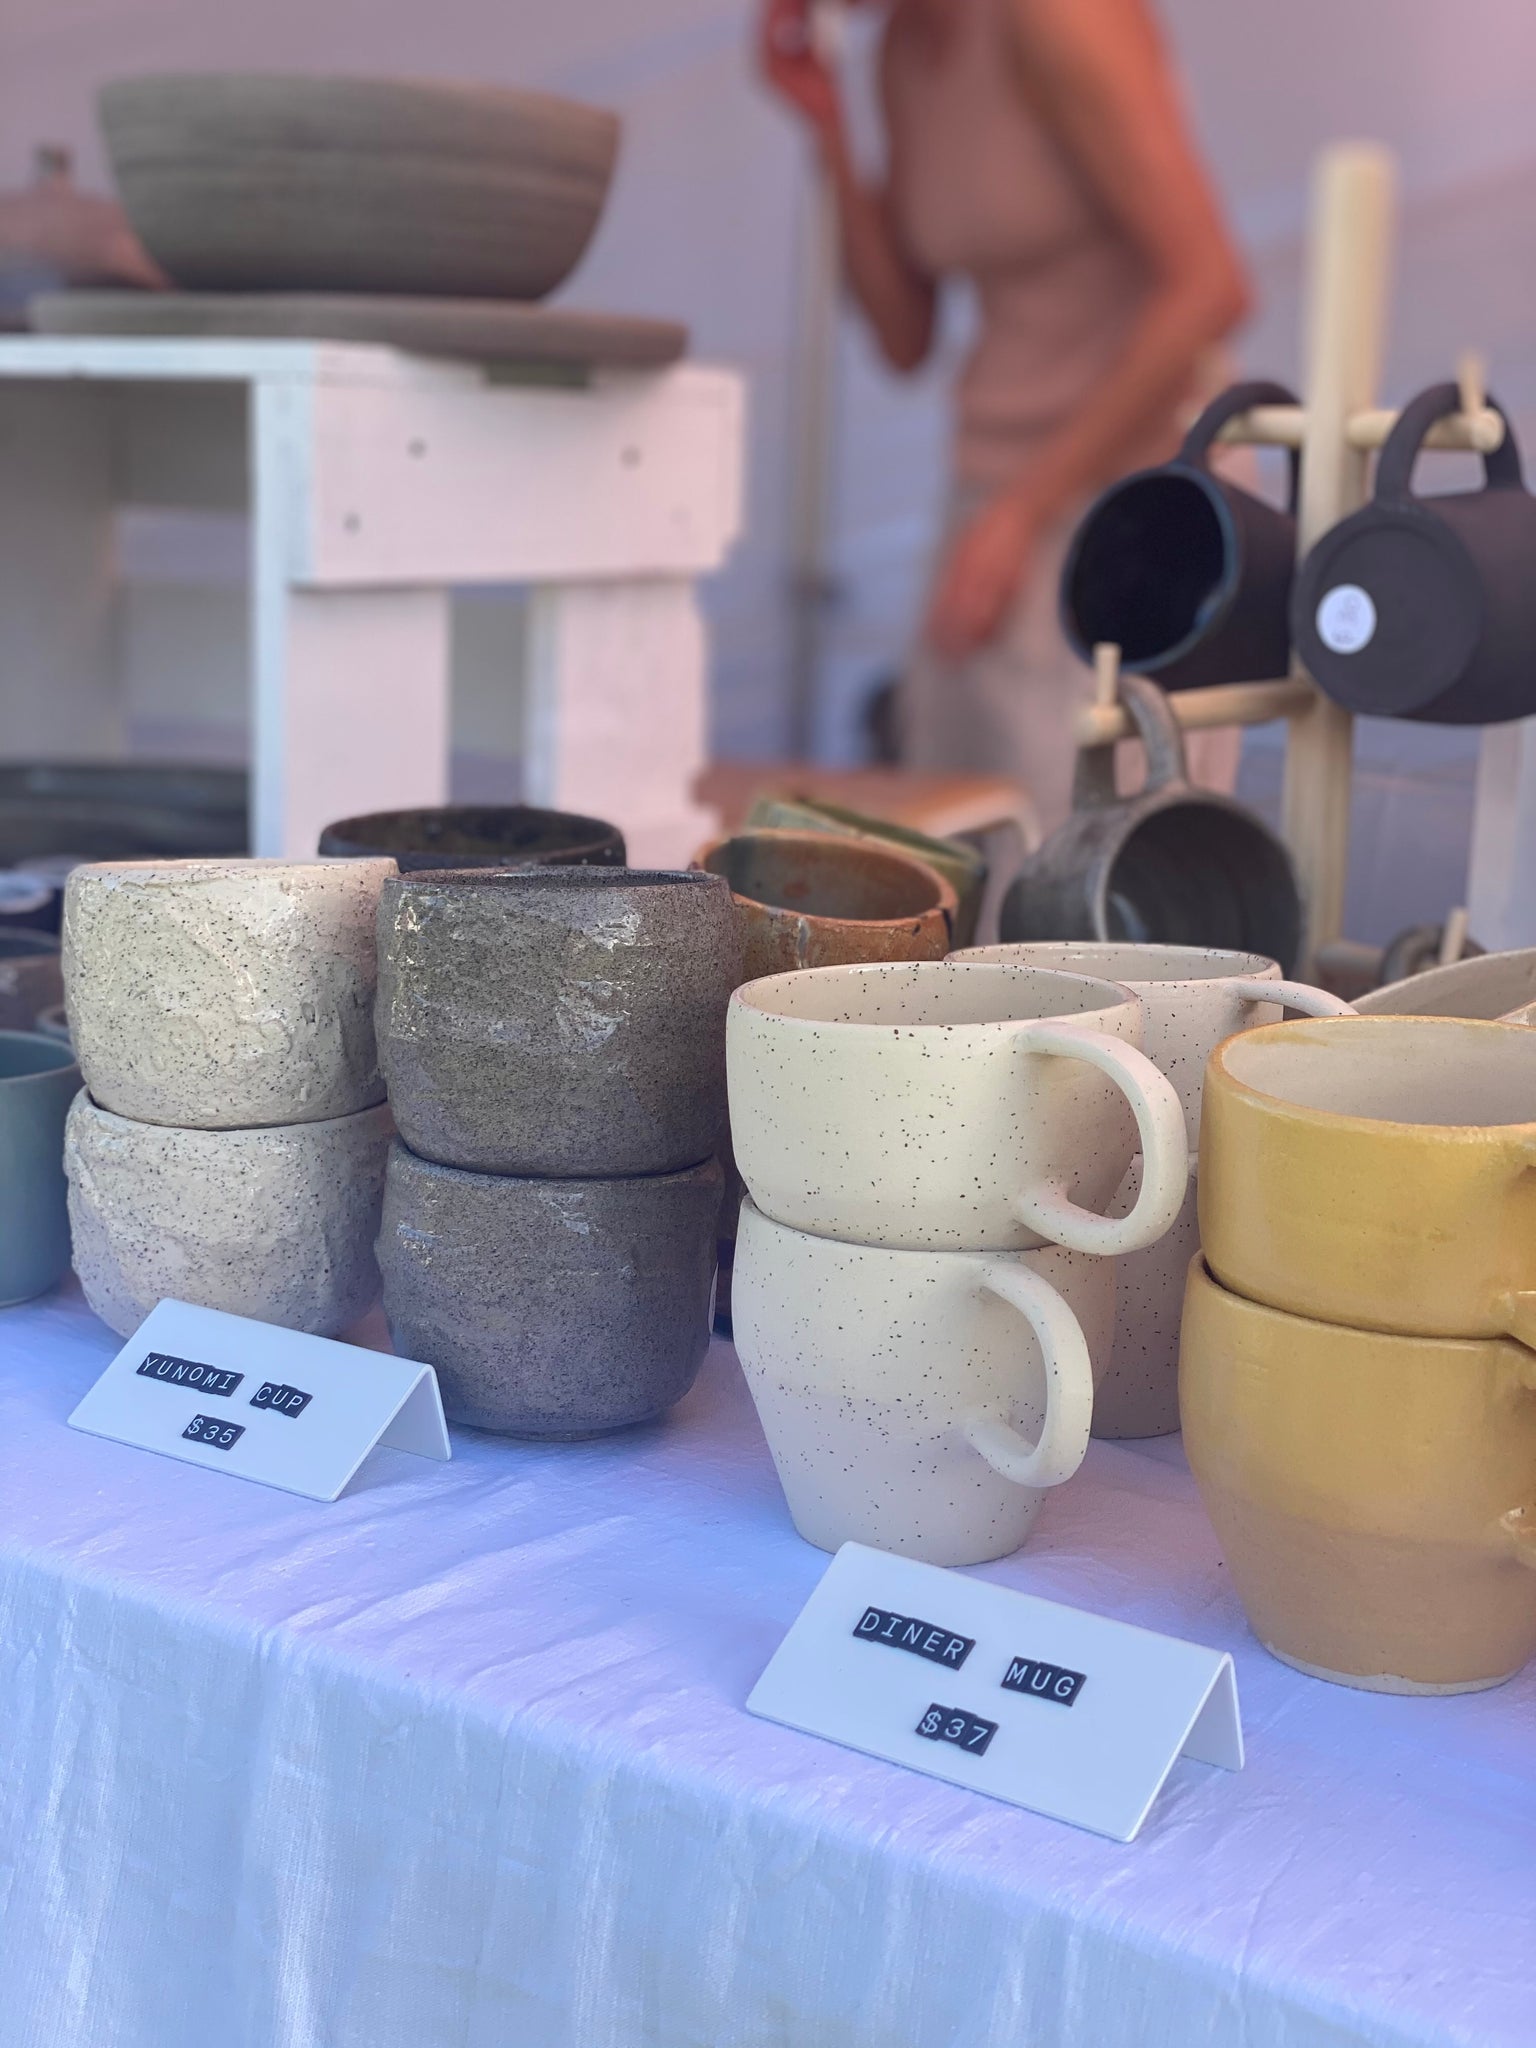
pixel 1426 607
pixel 1172 865
pixel 1188 574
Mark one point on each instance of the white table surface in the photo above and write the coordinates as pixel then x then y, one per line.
pixel 460 1761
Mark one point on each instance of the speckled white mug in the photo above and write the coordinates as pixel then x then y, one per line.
pixel 1192 998
pixel 951 1106
pixel 225 994
pixel 278 1224
pixel 922 1402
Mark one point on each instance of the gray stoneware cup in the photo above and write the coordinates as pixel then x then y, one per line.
pixel 567 1021
pixel 38 1081
pixel 550 1308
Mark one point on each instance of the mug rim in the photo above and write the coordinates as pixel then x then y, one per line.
pixel 884 853
pixel 198 867
pixel 87 1102
pixel 748 995
pixel 1346 1120
pixel 1246 966
pixel 557 876
pixel 50 1069
pixel 1201 1275
pixel 1085 1262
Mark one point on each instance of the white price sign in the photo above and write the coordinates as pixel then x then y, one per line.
pixel 296 1412
pixel 1067 1713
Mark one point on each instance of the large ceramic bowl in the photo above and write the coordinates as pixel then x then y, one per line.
pixel 246 181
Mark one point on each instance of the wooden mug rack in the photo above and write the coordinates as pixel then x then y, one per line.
pixel 1336 430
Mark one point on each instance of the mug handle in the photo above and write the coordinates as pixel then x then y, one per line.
pixel 1164 1149
pixel 1292 995
pixel 1063 1440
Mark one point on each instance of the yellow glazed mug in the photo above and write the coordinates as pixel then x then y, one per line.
pixel 1375 1496
pixel 1376 1171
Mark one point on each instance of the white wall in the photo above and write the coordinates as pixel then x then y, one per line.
pixel 704 217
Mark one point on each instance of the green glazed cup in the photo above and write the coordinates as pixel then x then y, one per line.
pixel 38 1081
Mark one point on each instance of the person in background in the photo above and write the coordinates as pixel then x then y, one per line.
pixel 1037 148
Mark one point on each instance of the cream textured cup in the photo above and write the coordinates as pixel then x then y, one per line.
pixel 225 994
pixel 922 1402
pixel 1192 997
pixel 951 1105
pixel 278 1224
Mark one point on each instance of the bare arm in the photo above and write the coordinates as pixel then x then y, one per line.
pixel 1101 80
pixel 894 297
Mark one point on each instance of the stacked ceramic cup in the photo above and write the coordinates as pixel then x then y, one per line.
pixel 554 1047
pixel 228 1147
pixel 923 1271
pixel 1358 1379
pixel 1192 997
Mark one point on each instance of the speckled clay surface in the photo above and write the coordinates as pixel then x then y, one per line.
pixel 815 899
pixel 224 994
pixel 569 1021
pixel 949 1105
pixel 864 1366
pixel 277 1224
pixel 1192 997
pixel 550 1308
pixel 30 978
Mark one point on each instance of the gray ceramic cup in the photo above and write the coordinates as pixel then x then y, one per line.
pixel 568 1021
pixel 38 1081
pixel 550 1308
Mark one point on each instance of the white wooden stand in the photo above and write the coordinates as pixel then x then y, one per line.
pixel 1336 429
pixel 376 483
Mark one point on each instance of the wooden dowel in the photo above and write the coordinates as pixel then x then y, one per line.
pixel 1285 426
pixel 1200 710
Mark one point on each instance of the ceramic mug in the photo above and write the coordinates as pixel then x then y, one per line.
pixel 961 865
pixel 951 1105
pixel 477 836
pixel 38 1081
pixel 564 1021
pixel 921 1402
pixel 550 1308
pixel 224 994
pixel 1375 1495
pixel 277 1224
pixel 815 899
pixel 1491 985
pixel 1192 997
pixel 31 978
pixel 1376 1171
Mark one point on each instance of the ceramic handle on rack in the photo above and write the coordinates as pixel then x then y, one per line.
pixel 1063 1440
pixel 1293 995
pixel 1164 1149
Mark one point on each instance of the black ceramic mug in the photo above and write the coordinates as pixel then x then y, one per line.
pixel 1188 574
pixel 1426 607
pixel 559 1021
pixel 550 1308
pixel 1171 865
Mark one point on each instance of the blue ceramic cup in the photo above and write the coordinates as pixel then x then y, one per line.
pixel 38 1081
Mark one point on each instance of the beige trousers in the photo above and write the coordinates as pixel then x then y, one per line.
pixel 1009 709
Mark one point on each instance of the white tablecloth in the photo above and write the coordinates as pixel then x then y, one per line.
pixel 460 1761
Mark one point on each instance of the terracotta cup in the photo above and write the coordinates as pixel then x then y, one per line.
pixel 1375 1495
pixel 922 1402
pixel 224 994
pixel 1376 1171
pixel 1192 997
pixel 814 899
pixel 951 1105
pixel 277 1223
pixel 564 1020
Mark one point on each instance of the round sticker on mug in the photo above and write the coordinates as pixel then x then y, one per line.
pixel 1346 619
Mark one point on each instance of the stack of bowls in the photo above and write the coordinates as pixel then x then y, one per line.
pixel 228 1147
pixel 554 1047
pixel 924 1272
pixel 1357 1378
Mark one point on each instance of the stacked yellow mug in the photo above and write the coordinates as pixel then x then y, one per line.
pixel 1357 1382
